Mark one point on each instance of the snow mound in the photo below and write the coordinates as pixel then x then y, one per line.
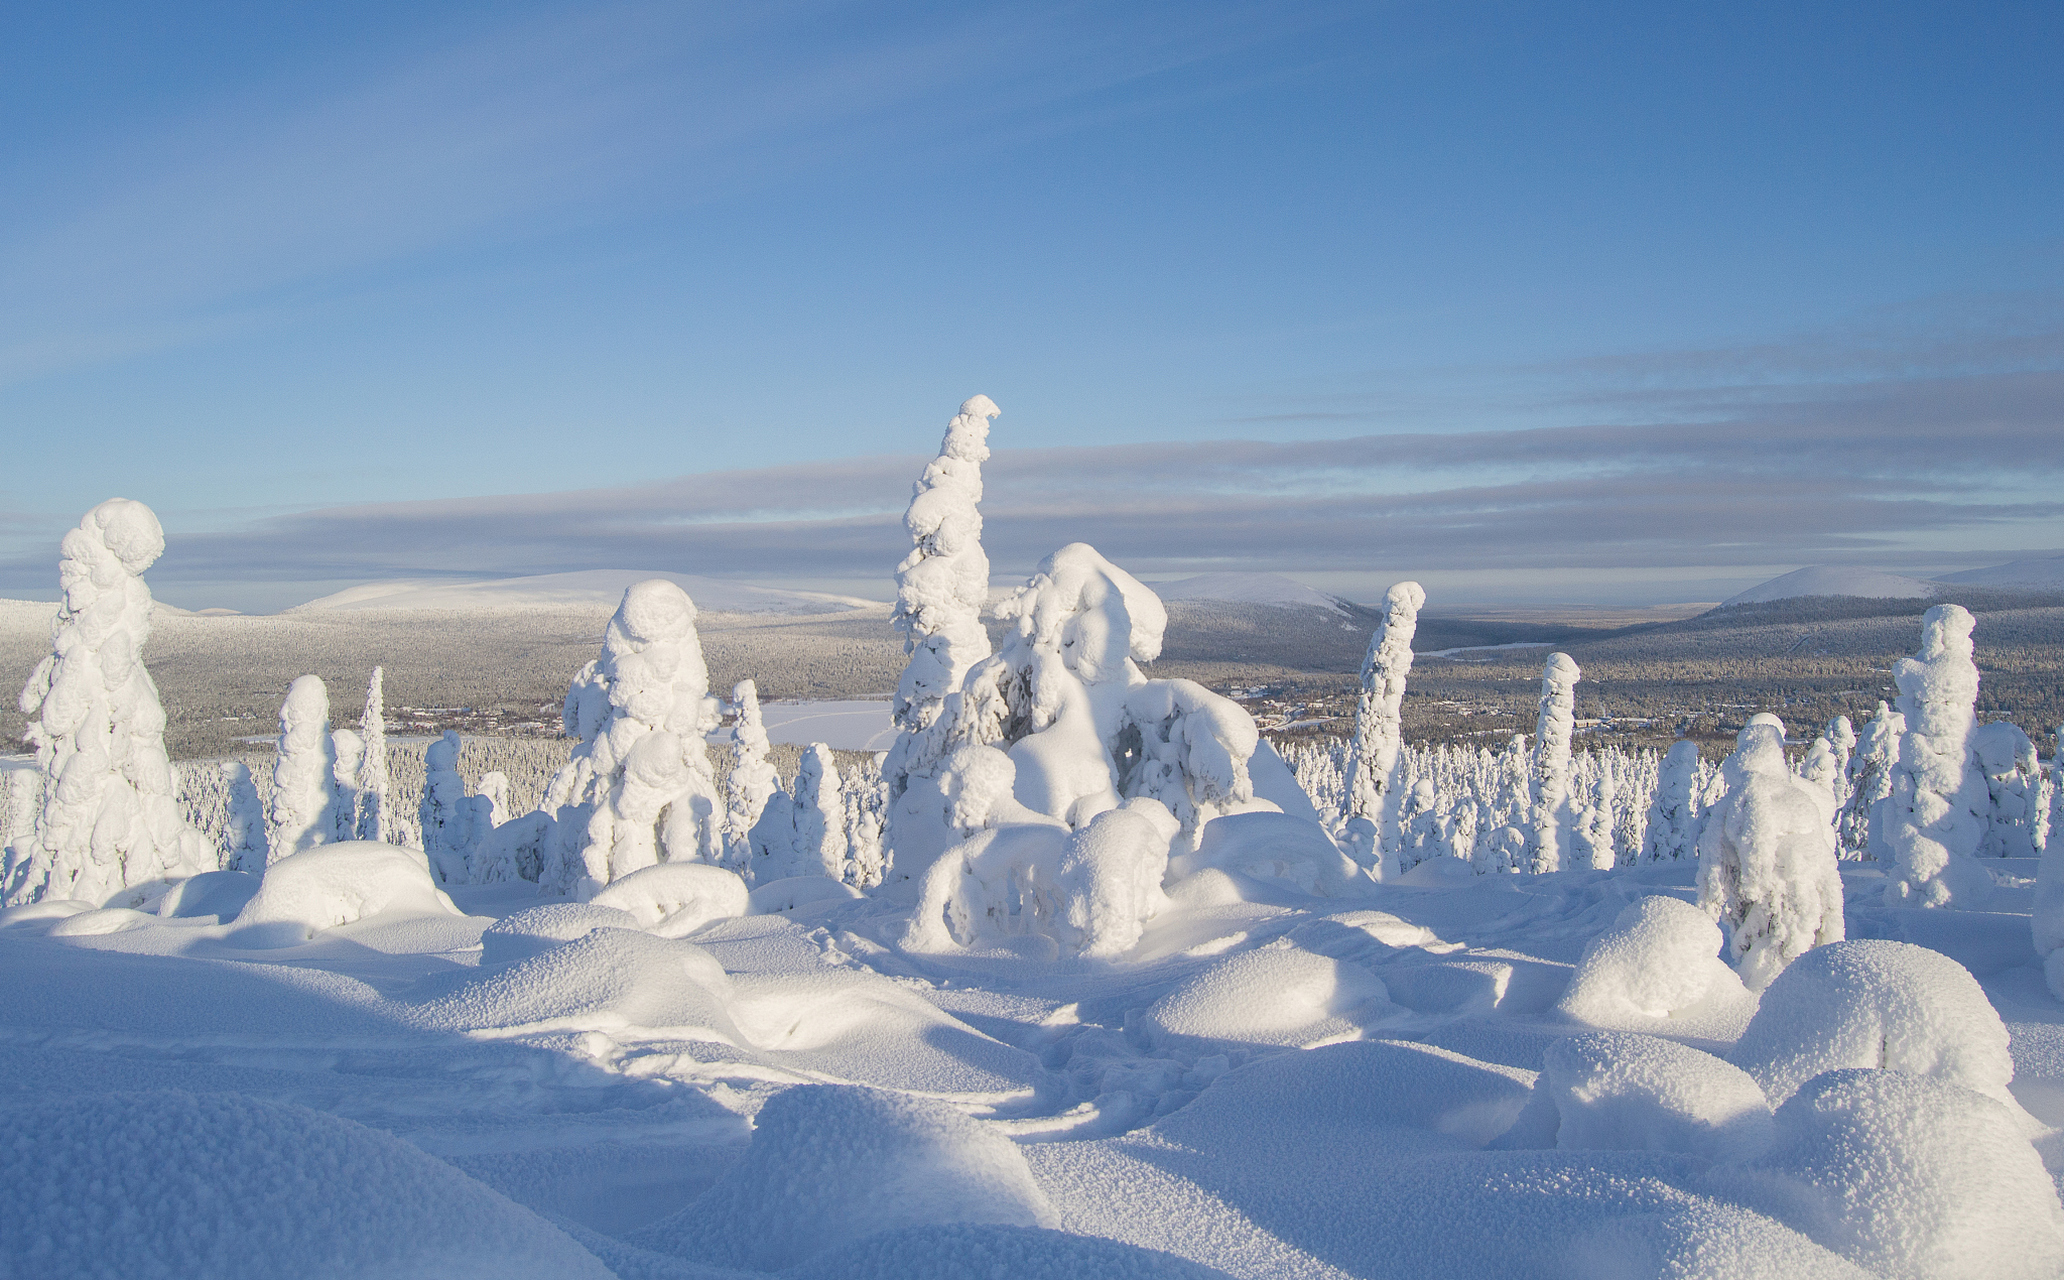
pixel 777 896
pixel 1273 996
pixel 674 899
pixel 1611 1091
pixel 221 894
pixel 963 1251
pixel 1836 580
pixel 1248 588
pixel 830 1165
pixel 1913 1177
pixel 525 933
pixel 1660 957
pixel 1276 849
pixel 2043 573
pixel 588 588
pixel 1876 1004
pixel 226 1186
pixel 609 980
pixel 337 884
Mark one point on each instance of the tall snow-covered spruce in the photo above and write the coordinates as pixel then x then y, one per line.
pixel 1551 760
pixel 304 771
pixel 749 780
pixel 941 589
pixel 1372 783
pixel 106 818
pixel 373 821
pixel 1672 833
pixel 639 789
pixel 1938 813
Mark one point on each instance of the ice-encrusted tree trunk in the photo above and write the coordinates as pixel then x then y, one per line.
pixel 2013 784
pixel 106 817
pixel 1673 826
pixel 749 780
pixel 373 822
pixel 347 749
pixel 1767 867
pixel 304 771
pixel 1549 774
pixel 639 789
pixel 942 587
pixel 1373 793
pixel 1937 813
pixel 1860 826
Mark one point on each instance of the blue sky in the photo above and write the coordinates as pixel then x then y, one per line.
pixel 1528 301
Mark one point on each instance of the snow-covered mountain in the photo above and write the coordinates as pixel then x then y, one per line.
pixel 2043 574
pixel 589 587
pixel 1248 588
pixel 1837 580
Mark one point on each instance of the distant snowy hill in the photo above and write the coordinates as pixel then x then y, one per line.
pixel 2046 574
pixel 591 587
pixel 1247 588
pixel 1837 580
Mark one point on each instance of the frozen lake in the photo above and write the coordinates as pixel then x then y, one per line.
pixel 846 726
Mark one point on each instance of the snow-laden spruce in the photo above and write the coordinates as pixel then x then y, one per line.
pixel 1673 830
pixel 749 780
pixel 1372 792
pixel 107 818
pixel 245 846
pixel 802 833
pixel 453 822
pixel 941 588
pixel 1861 826
pixel 1938 813
pixel 865 800
pixel 2013 784
pixel 1767 866
pixel 347 754
pixel 639 789
pixel 1551 762
pixel 373 820
pixel 304 771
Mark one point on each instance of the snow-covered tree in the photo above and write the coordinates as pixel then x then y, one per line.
pixel 1595 825
pixel 1373 794
pixel 1860 826
pixel 373 822
pixel 347 749
pixel 447 813
pixel 1841 737
pixel 2046 916
pixel 639 788
pixel 1549 774
pixel 304 771
pixel 941 588
pixel 2013 784
pixel 1672 822
pixel 244 820
pixel 106 817
pixel 1767 866
pixel 1937 814
pixel 805 834
pixel 748 780
pixel 494 797
pixel 865 803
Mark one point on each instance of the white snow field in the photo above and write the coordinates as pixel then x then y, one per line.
pixel 568 590
pixel 1836 580
pixel 1079 979
pixel 851 725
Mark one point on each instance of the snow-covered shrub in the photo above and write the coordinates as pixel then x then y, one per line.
pixel 1660 957
pixel 639 788
pixel 1371 767
pixel 1861 826
pixel 2013 784
pixel 1876 1004
pixel 373 822
pixel 941 589
pixel 106 818
pixel 673 899
pixel 1613 1091
pixel 1549 775
pixel 1672 823
pixel 1937 815
pixel 1767 867
pixel 850 1162
pixel 1089 892
pixel 1912 1177
pixel 304 771
pixel 321 888
pixel 748 779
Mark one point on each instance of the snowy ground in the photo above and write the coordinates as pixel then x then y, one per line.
pixel 847 726
pixel 1276 1086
